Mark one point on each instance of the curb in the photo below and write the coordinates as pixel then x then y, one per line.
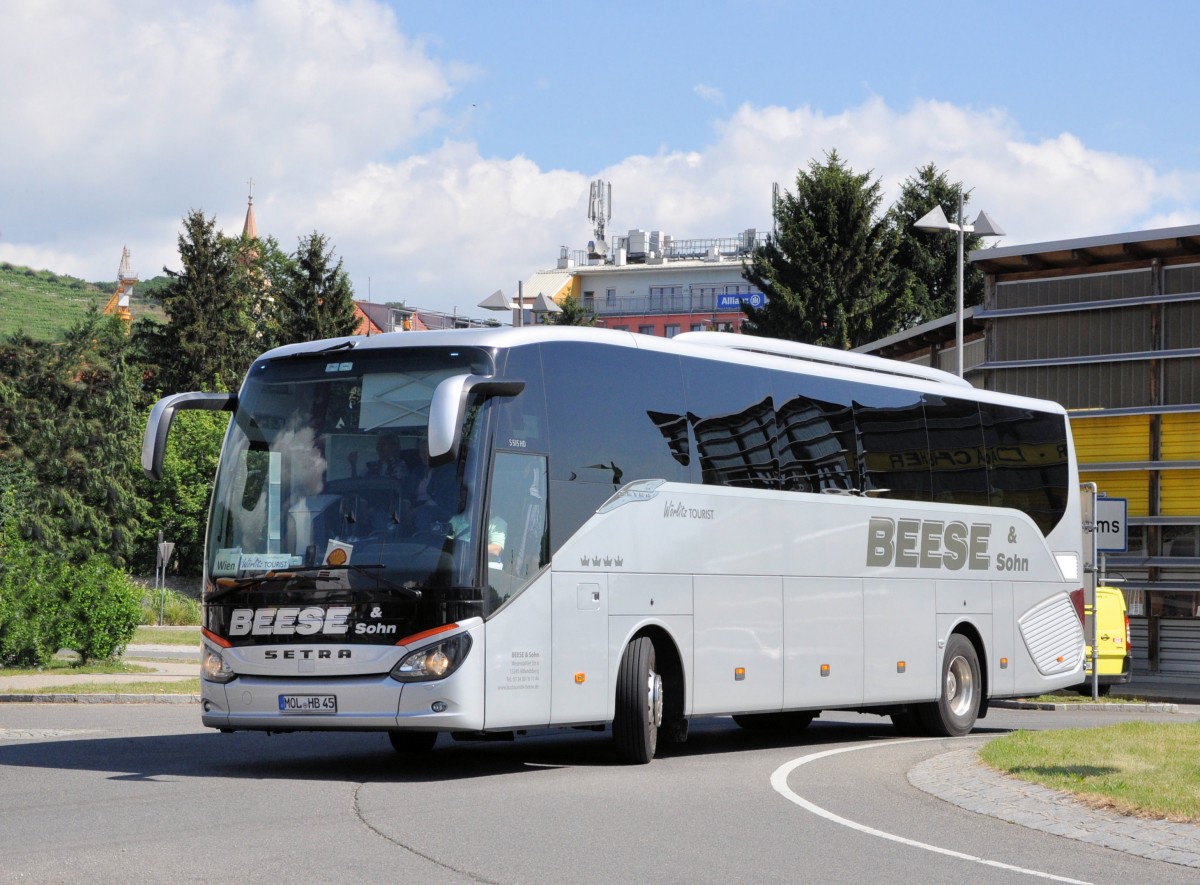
pixel 98 698
pixel 1108 707
pixel 958 777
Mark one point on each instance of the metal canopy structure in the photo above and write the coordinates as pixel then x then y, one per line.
pixel 1089 252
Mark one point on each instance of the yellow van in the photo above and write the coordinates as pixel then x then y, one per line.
pixel 1115 663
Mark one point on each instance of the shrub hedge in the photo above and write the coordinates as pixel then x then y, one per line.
pixel 47 604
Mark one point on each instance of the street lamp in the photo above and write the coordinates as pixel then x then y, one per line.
pixel 543 305
pixel 935 219
pixel 499 301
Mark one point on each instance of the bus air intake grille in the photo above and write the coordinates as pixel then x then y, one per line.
pixel 1053 635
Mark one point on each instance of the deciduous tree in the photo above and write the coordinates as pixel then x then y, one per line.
pixel 177 504
pixel 572 313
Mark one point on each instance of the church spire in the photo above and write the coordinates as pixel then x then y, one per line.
pixel 250 228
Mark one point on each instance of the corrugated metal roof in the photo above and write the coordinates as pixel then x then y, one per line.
pixel 550 283
pixel 1087 252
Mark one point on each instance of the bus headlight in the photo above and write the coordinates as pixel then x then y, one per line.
pixel 213 667
pixel 433 661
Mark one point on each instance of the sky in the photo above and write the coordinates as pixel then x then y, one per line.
pixel 446 149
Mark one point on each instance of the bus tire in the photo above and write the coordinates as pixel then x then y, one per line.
pixel 954 713
pixel 639 703
pixel 413 743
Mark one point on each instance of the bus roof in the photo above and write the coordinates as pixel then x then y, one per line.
pixel 721 346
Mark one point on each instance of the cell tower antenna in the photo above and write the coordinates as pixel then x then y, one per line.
pixel 600 214
pixel 775 208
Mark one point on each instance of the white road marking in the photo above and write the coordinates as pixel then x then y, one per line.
pixel 779 782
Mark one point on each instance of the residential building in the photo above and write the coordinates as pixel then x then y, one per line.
pixel 374 319
pixel 654 284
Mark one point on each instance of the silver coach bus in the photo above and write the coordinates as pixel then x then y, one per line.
pixel 480 532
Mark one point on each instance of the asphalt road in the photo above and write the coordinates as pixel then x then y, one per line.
pixel 144 794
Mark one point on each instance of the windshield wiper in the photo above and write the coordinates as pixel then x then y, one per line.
pixel 341 345
pixel 226 586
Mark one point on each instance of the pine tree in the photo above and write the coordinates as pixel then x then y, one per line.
pixel 827 272
pixel 71 421
pixel 927 259
pixel 314 297
pixel 209 335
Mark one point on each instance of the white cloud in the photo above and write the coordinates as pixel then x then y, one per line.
pixel 1052 189
pixel 133 112
pixel 137 112
pixel 445 226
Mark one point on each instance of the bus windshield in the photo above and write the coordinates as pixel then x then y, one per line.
pixel 325 474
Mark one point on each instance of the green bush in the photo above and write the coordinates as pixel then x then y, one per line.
pixel 33 606
pixel 47 604
pixel 105 607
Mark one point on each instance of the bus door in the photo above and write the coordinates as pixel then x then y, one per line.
pixel 517 593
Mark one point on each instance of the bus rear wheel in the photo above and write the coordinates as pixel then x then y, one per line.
pixel 639 703
pixel 954 713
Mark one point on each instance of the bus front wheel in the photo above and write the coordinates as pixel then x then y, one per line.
pixel 639 703
pixel 954 713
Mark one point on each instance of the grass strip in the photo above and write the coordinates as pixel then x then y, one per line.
pixel 1144 769
pixel 166 636
pixel 1075 698
pixel 63 667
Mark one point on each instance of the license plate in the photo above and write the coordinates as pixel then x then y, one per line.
pixel 308 703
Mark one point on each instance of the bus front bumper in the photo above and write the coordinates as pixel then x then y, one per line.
pixel 351 703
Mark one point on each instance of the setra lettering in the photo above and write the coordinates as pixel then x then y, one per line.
pixel 305 654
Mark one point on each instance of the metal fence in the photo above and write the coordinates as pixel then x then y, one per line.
pixel 1178 647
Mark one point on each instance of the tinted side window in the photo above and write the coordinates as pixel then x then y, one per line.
pixel 733 421
pixel 615 414
pixel 815 427
pixel 517 536
pixel 956 451
pixel 610 409
pixel 521 419
pixel 1027 462
pixel 893 444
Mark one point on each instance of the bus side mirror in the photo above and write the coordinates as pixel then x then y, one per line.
pixel 154 443
pixel 448 408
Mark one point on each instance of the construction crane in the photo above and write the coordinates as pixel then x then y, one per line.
pixel 119 303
